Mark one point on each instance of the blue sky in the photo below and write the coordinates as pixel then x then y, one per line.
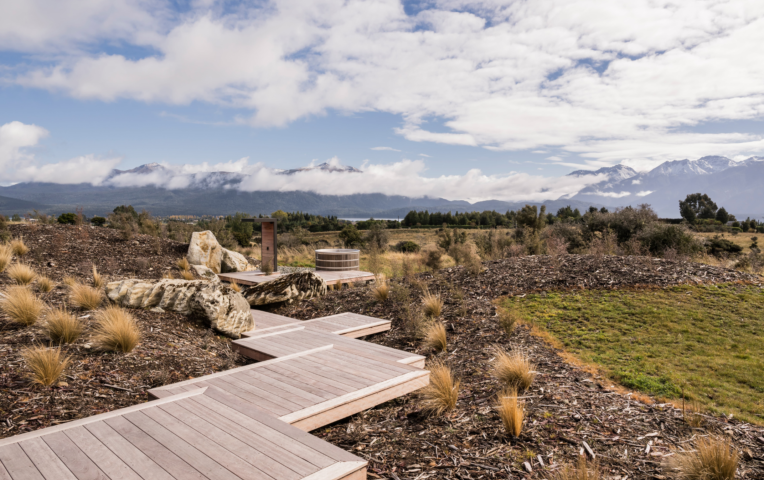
pixel 468 98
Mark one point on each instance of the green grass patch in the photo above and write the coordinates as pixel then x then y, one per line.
pixel 706 340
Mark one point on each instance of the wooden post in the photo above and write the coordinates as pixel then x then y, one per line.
pixel 269 243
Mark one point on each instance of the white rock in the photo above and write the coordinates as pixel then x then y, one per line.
pixel 205 250
pixel 235 262
pixel 206 273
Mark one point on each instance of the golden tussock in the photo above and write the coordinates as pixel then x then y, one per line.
pixel 433 304
pixel 97 279
pixel 183 264
pixel 583 470
pixel 85 296
pixel 508 320
pixel 116 330
pixel 712 459
pixel 21 305
pixel 62 326
pixel 511 411
pixel 441 394
pixel 6 255
pixel 186 275
pixel 21 273
pixel 435 337
pixel 235 286
pixel 69 281
pixel 18 247
pixel 45 284
pixel 46 364
pixel 514 369
pixel 168 275
pixel 380 291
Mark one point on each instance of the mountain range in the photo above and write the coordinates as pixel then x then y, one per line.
pixel 735 185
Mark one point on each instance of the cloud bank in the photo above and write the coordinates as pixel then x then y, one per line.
pixel 609 81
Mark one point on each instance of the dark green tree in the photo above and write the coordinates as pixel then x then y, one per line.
pixel 722 215
pixel 700 204
pixel 98 221
pixel 67 219
pixel 127 209
pixel 351 236
pixel 529 216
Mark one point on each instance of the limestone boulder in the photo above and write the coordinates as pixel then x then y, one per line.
pixel 234 262
pixel 206 273
pixel 205 250
pixel 226 311
pixel 286 288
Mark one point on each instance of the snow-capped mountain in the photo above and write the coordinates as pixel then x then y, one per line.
pixel 614 174
pixel 324 167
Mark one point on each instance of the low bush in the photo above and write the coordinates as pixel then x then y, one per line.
pixel 21 273
pixel 85 296
pixel 407 246
pixel 441 395
pixel 62 326
pixel 717 246
pixel 67 219
pixel 511 411
pixel 432 258
pixel 116 330
pixel 659 237
pixel 435 337
pixel 514 370
pixel 46 364
pixel 21 305
pixel 712 459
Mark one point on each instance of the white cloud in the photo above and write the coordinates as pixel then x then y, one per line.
pixel 391 149
pixel 425 155
pixel 503 75
pixel 18 163
pixel 644 193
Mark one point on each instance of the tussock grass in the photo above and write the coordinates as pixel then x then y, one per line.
pixel 511 411
pixel 6 256
pixel 116 330
pixel 85 296
pixel 21 305
pixel 583 470
pixel 692 415
pixel 514 370
pixel 266 267
pixel 380 291
pixel 97 278
pixel 432 303
pixel 508 319
pixel 712 459
pixel 441 394
pixel 183 264
pixel 235 286
pixel 46 364
pixel 62 326
pixel 186 275
pixel 169 275
pixel 435 336
pixel 18 247
pixel 45 284
pixel 21 273
pixel 69 281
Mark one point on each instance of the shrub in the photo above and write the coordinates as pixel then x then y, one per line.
pixel 266 266
pixel 692 415
pixel 659 237
pixel 435 337
pixel 62 326
pixel 717 246
pixel 350 236
pixel 459 252
pixel 556 246
pixel 183 264
pixel 186 275
pixel 6 256
pixel 116 331
pixel 406 246
pixel 432 258
pixel 625 222
pixel 380 291
pixel 85 296
pixel 21 305
pixel 97 278
pixel 377 236
pixel 511 411
pixel 441 394
pixel 21 273
pixel 433 304
pixel 515 370
pixel 46 364
pixel 18 247
pixel 508 320
pixel 44 284
pixel 712 459
pixel 67 219
pixel 472 264
pixel 98 221
pixel 582 471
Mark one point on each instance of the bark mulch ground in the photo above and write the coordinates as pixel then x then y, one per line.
pixel 569 411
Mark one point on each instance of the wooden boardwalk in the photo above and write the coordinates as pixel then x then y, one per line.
pixel 331 278
pixel 245 423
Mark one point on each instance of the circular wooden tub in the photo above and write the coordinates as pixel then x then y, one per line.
pixel 338 259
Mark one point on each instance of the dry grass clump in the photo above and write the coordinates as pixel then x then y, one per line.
pixel 435 336
pixel 266 266
pixel 97 278
pixel 62 326
pixel 186 275
pixel 69 281
pixel 116 330
pixel 583 470
pixel 6 255
pixel 508 320
pixel 21 273
pixel 18 247
pixel 433 304
pixel 21 305
pixel 441 394
pixel 514 369
pixel 712 459
pixel 235 286
pixel 85 296
pixel 168 275
pixel 511 411
pixel 381 290
pixel 46 364
pixel 692 414
pixel 183 264
pixel 45 284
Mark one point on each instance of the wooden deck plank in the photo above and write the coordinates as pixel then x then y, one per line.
pixel 100 454
pixel 373 362
pixel 250 455
pixel 17 463
pixel 278 387
pixel 300 383
pixel 75 460
pixel 327 384
pixel 332 373
pixel 260 397
pixel 265 319
pixel 348 367
pixel 4 475
pixel 46 460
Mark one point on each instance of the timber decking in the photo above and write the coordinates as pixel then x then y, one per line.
pixel 205 433
pixel 349 325
pixel 295 339
pixel 312 388
pixel 331 278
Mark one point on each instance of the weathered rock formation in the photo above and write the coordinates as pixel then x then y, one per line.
pixel 206 273
pixel 204 250
pixel 234 262
pixel 286 288
pixel 226 310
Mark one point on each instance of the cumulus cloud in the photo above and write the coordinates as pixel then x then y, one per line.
pixel 608 81
pixel 18 162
